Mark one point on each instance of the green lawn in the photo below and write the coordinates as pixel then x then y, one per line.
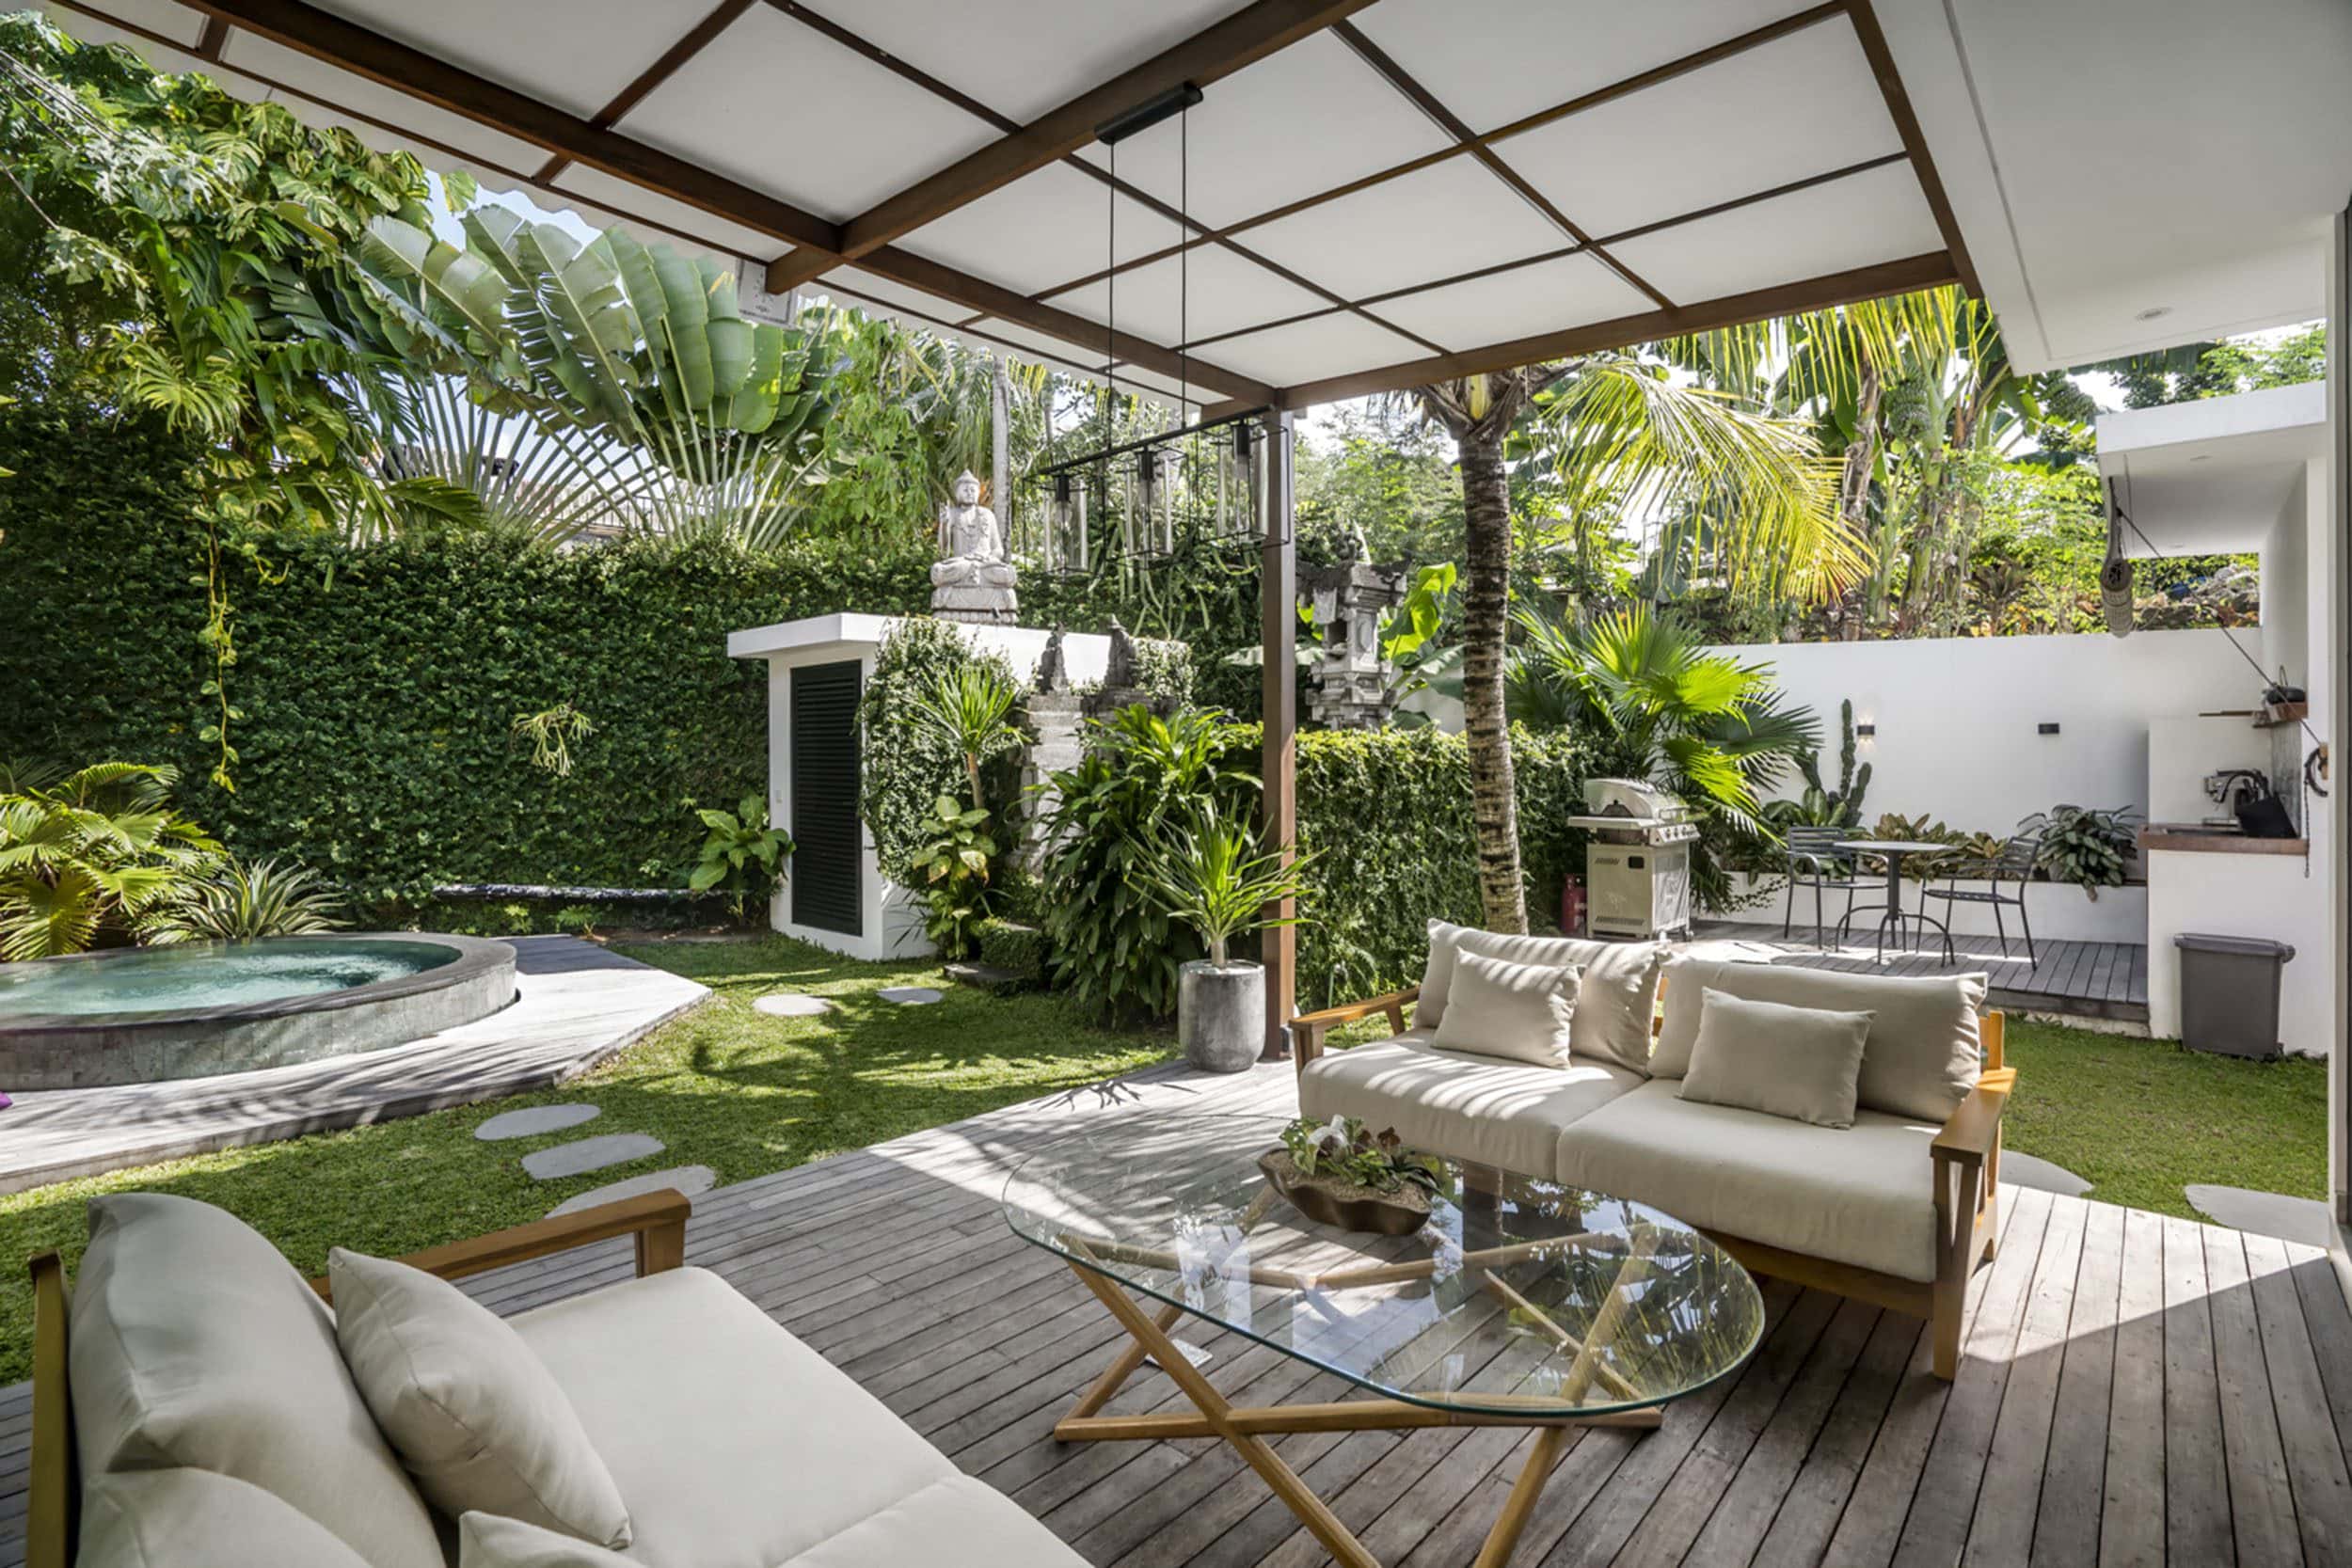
pixel 746 1094
pixel 723 1086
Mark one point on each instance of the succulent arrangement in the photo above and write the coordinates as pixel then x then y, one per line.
pixel 1343 1149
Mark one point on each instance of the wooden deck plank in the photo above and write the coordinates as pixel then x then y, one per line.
pixel 2124 1376
pixel 2316 1468
pixel 2100 978
pixel 2197 1481
pixel 2002 1528
pixel 2074 1476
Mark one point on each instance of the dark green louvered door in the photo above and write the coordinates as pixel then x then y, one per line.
pixel 825 832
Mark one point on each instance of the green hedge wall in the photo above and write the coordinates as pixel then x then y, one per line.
pixel 380 685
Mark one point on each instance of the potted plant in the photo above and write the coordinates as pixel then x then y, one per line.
pixel 1341 1174
pixel 1213 878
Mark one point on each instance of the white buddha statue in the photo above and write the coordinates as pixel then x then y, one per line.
pixel 974 577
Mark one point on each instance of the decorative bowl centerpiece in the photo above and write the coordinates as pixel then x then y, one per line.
pixel 1338 1173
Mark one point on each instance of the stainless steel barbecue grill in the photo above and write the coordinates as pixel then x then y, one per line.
pixel 1637 867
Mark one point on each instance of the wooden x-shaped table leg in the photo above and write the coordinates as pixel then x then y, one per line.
pixel 1246 1428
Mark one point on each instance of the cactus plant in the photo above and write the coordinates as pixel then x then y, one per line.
pixel 1842 807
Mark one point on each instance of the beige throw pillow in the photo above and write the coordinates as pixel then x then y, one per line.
pixel 1801 1063
pixel 1616 981
pixel 469 1408
pixel 487 1541
pixel 196 1344
pixel 1524 1012
pixel 1924 1052
pixel 184 1518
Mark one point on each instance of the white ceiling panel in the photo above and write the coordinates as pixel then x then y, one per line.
pixel 1731 129
pixel 576 57
pixel 1433 223
pixel 1310 350
pixel 164 58
pixel 1206 292
pixel 1876 216
pixel 1243 144
pixel 342 91
pixel 1024 59
pixel 1043 230
pixel 784 109
pixel 1519 56
pixel 635 201
pixel 1545 297
pixel 177 22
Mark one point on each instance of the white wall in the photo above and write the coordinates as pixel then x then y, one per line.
pixel 1958 717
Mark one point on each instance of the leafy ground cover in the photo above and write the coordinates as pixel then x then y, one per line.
pixel 746 1094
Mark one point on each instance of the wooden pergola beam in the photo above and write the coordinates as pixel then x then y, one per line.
pixel 1881 278
pixel 388 62
pixel 1881 58
pixel 1218 51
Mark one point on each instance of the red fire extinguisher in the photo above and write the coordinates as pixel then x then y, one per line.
pixel 1572 906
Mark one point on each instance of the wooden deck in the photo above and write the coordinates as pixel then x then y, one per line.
pixel 2086 979
pixel 2135 1389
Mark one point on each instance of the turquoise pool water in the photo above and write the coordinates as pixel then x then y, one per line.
pixel 206 975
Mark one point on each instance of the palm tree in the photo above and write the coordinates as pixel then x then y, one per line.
pixel 1613 425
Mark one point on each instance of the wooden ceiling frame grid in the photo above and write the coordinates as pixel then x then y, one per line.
pixel 1239 40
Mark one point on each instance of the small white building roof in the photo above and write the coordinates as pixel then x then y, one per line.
pixel 2211 475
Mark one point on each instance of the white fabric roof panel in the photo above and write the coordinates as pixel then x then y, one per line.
pixel 1524 56
pixel 1783 112
pixel 784 109
pixel 833 115
pixel 182 24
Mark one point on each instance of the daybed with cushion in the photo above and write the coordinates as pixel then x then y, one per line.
pixel 220 1412
pixel 1888 1197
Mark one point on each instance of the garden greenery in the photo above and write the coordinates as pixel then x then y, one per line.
pixel 909 764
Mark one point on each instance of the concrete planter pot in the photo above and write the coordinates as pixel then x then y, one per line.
pixel 1220 1015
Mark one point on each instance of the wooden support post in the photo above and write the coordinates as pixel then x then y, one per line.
pixel 1278 610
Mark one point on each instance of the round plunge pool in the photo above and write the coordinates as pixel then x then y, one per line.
pixel 136 1015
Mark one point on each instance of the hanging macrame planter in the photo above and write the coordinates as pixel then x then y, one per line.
pixel 2115 579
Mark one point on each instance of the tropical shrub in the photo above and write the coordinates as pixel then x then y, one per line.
pixel 241 902
pixel 1114 946
pixel 908 764
pixel 951 873
pixel 91 856
pixel 1212 875
pixel 741 855
pixel 2083 845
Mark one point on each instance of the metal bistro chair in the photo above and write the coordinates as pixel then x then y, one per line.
pixel 1812 859
pixel 2014 867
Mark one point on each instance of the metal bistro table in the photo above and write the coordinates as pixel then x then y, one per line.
pixel 1519 1303
pixel 1893 851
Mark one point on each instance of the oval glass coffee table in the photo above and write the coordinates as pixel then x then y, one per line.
pixel 1520 1303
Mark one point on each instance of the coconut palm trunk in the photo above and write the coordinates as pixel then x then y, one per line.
pixel 1479 414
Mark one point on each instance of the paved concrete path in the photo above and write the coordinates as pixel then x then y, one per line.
pixel 575 1004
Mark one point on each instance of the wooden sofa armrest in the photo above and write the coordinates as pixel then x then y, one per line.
pixel 658 1219
pixel 1307 1029
pixel 1974 1130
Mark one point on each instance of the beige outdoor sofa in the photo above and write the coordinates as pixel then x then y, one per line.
pixel 190 1350
pixel 1897 1210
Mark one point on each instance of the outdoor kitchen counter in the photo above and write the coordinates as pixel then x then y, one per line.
pixel 2194 838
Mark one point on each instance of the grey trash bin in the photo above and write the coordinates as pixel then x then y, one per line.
pixel 2230 993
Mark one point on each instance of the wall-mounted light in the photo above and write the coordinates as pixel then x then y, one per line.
pixel 2046 729
pixel 1867 730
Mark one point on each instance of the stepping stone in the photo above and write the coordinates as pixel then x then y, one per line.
pixel 534 1119
pixel 791 1005
pixel 2024 1170
pixel 2292 1219
pixel 584 1155
pixel 909 997
pixel 987 977
pixel 693 1180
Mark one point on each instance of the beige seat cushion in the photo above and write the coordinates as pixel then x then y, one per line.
pixel 1802 1063
pixel 1495 1112
pixel 958 1521
pixel 195 1519
pixel 490 1540
pixel 1521 1012
pixel 1924 1052
pixel 466 1406
pixel 196 1343
pixel 1617 986
pixel 736 1445
pixel 1859 1195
